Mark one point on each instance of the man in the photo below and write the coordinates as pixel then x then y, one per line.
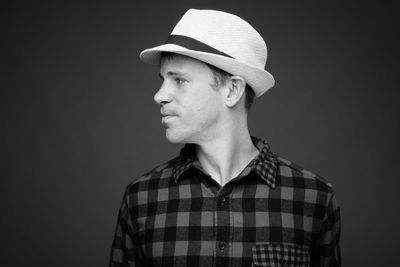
pixel 226 200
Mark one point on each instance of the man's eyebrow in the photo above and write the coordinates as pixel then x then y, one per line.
pixel 173 73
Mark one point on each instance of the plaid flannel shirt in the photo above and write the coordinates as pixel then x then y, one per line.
pixel 274 213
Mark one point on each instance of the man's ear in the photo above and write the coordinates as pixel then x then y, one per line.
pixel 236 89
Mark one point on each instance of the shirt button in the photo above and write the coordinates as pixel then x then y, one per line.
pixel 223 200
pixel 284 263
pixel 221 246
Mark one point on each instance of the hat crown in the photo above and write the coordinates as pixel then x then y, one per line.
pixel 225 32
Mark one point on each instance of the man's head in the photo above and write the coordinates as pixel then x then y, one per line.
pixel 212 67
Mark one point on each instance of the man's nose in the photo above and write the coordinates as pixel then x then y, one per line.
pixel 163 95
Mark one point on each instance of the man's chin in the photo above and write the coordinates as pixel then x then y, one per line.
pixel 173 138
pixel 176 137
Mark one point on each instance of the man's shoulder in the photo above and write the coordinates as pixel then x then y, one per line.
pixel 293 175
pixel 161 172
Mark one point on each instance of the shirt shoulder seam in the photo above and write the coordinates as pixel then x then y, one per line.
pixel 159 168
pixel 305 172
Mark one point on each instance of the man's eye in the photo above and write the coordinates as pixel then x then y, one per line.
pixel 179 80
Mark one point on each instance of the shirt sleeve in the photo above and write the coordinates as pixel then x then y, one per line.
pixel 126 250
pixel 326 251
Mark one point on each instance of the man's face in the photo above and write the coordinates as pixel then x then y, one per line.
pixel 191 108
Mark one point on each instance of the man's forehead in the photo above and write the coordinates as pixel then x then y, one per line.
pixel 180 63
pixel 169 56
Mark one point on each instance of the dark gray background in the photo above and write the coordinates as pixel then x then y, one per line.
pixel 78 122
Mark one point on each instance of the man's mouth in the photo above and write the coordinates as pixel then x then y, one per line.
pixel 167 114
pixel 165 118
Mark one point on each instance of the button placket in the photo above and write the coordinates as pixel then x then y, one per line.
pixel 222 235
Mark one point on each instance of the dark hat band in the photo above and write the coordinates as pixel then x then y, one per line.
pixel 193 44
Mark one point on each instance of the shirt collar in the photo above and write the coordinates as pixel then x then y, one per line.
pixel 265 164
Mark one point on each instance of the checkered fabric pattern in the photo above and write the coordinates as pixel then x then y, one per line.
pixel 280 255
pixel 274 213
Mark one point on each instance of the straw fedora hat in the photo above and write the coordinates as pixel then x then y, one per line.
pixel 220 39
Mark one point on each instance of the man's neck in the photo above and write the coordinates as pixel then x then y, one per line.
pixel 225 157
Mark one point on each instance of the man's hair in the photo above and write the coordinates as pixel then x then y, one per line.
pixel 220 79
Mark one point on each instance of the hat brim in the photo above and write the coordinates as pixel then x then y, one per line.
pixel 260 80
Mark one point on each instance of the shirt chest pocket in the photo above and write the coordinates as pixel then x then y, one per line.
pixel 282 255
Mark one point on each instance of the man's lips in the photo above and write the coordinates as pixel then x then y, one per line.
pixel 166 116
pixel 166 113
pixel 166 119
